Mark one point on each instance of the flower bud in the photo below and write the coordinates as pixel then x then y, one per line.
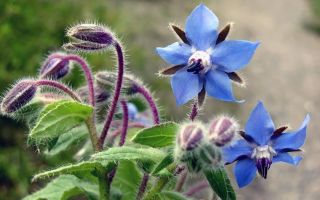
pixel 18 96
pixel 91 33
pixel 83 47
pixel 106 80
pixel 190 137
pixel 55 67
pixel 222 130
pixel 100 95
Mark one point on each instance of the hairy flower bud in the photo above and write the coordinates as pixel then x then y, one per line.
pixel 18 96
pixel 100 95
pixel 222 130
pixel 55 67
pixel 91 33
pixel 190 137
pixel 106 80
pixel 84 47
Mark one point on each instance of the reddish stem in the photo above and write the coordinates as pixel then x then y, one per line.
pixel 197 188
pixel 60 86
pixel 143 186
pixel 116 96
pixel 125 122
pixel 146 94
pixel 194 111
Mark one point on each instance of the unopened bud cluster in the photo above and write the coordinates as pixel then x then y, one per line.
pixel 89 38
pixel 199 147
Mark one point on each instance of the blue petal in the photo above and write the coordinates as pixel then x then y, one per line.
pixel 218 85
pixel 292 140
pixel 175 54
pixel 235 151
pixel 185 86
pixel 245 171
pixel 260 125
pixel 287 158
pixel 201 27
pixel 233 55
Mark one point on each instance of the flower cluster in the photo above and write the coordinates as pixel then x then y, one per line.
pixel 112 105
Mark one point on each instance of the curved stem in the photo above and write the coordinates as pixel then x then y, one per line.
pixel 196 188
pixel 87 72
pixel 194 111
pixel 60 86
pixel 125 122
pixel 181 181
pixel 146 94
pixel 116 96
pixel 143 186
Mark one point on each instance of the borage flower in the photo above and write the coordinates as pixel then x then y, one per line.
pixel 263 145
pixel 204 61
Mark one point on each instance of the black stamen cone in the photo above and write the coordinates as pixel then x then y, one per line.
pixel 263 165
pixel 195 67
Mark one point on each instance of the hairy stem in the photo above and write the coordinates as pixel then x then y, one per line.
pixel 182 179
pixel 143 186
pixel 197 188
pixel 116 96
pixel 59 86
pixel 87 72
pixel 160 184
pixel 125 122
pixel 124 130
pixel 194 111
pixel 146 94
pixel 103 186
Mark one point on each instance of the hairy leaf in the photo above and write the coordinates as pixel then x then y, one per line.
pixel 64 187
pixel 58 118
pixel 163 164
pixel 84 166
pixel 127 179
pixel 220 183
pixel 130 153
pixel 161 135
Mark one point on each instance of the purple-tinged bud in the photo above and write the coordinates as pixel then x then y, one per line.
pixel 55 67
pixel 222 130
pixel 190 137
pixel 18 96
pixel 84 47
pixel 100 95
pixel 92 33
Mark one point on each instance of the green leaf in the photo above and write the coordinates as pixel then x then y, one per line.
pixel 84 166
pixel 73 136
pixel 161 135
pixel 130 153
pixel 127 179
pixel 64 187
pixel 170 195
pixel 163 164
pixel 220 183
pixel 58 118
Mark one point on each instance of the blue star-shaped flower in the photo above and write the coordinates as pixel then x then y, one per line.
pixel 204 60
pixel 263 145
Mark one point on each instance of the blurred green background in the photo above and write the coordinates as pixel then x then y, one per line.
pixel 30 29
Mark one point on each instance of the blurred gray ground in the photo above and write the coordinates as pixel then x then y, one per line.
pixel 284 74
